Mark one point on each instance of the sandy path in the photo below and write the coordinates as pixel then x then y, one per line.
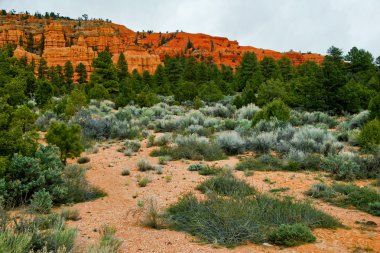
pixel 117 208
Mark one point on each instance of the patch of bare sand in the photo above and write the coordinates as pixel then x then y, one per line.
pixel 123 194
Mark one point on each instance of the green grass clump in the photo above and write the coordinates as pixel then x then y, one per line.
pixel 291 235
pixel 346 195
pixel 41 233
pixel 142 182
pixel 125 172
pixel 70 214
pixel 196 152
pixel 232 221
pixel 196 167
pixel 263 163
pixel 80 190
pixel 144 165
pixel 226 185
pixel 83 159
pixel 108 243
pixel 210 170
pixel 280 189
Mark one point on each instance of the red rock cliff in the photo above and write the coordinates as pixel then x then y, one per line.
pixel 80 42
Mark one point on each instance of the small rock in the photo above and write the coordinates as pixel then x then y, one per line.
pixel 267 244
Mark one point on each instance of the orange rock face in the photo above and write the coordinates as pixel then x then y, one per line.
pixel 80 41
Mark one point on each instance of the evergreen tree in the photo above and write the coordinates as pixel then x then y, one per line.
pixel 82 73
pixel 104 74
pixel 247 70
pixel 285 67
pixel 122 67
pixel 42 69
pixel 190 69
pixel 68 72
pixel 44 92
pixel 67 138
pixel 269 68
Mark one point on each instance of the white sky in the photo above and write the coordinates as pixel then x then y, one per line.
pixel 301 25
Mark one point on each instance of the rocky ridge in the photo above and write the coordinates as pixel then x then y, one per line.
pixel 58 41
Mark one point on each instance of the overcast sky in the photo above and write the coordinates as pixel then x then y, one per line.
pixel 301 25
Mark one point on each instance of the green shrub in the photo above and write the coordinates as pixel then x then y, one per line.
pixel 343 167
pixel 134 146
pixel 374 107
pixel 15 242
pixel 196 167
pixel 70 214
pixel 263 163
pixel 163 160
pixel 46 233
pixel 83 159
pixel 291 235
pixel 369 137
pixel 41 202
pixel 108 243
pixel 226 185
pixel 233 221
pixel 321 190
pixel 275 109
pixel 125 172
pixel 231 142
pixel 346 195
pixel 144 165
pixel 374 208
pixel 199 151
pixel 210 170
pixel 74 178
pixel 142 182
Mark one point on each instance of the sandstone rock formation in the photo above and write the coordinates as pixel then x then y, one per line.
pixel 58 41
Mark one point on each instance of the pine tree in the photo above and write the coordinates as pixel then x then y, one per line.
pixel 42 69
pixel 68 72
pixel 82 73
pixel 122 67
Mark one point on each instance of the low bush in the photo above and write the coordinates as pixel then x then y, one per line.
pixel 125 172
pixel 358 120
pixel 42 233
pixel 108 243
pixel 226 184
pixel 369 137
pixel 70 214
pixel 196 167
pixel 233 221
pixel 163 160
pixel 247 112
pixel 144 165
pixel 80 190
pixel 41 202
pixel 163 140
pixel 263 163
pixel 312 118
pixel 345 195
pixel 142 182
pixel 134 146
pixel 231 142
pixel 83 159
pixel 275 109
pixel 210 170
pixel 199 151
pixel 342 166
pixel 291 235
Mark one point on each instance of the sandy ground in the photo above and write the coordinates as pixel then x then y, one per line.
pixel 118 208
